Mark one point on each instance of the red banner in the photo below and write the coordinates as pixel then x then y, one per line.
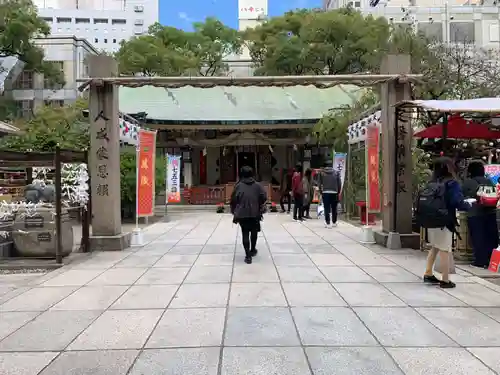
pixel 373 162
pixel 146 173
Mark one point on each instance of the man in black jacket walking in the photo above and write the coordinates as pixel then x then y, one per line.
pixel 330 186
pixel 247 206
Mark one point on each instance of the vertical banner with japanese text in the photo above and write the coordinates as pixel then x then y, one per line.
pixel 173 180
pixel 146 173
pixel 372 168
pixel 339 161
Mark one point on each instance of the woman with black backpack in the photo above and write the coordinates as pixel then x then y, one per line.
pixel 437 211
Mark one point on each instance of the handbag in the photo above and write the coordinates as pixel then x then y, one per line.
pixel 487 196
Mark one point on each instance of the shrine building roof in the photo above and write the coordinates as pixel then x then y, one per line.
pixel 230 104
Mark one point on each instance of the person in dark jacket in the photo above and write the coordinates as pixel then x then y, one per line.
pixel 481 220
pixel 286 190
pixel 330 186
pixel 298 193
pixel 247 205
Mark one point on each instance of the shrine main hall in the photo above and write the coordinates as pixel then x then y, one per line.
pixel 218 130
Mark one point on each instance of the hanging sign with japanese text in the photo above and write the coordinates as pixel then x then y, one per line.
pixel 173 179
pixel 146 173
pixel 339 161
pixel 372 167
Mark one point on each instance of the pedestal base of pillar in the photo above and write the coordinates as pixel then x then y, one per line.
pixel 367 235
pixel 393 241
pixel 110 243
pixel 408 241
pixel 137 238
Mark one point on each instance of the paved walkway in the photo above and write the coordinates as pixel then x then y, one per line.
pixel 313 302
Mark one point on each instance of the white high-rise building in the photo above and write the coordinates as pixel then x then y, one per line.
pixel 104 23
pixel 251 13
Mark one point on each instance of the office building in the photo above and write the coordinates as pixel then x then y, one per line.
pixel 362 4
pixel 447 22
pixel 31 90
pixel 104 23
pixel 476 25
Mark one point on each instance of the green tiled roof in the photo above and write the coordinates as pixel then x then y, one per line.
pixel 235 103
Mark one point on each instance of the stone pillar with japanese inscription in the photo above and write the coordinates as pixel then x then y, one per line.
pixel 104 158
pixel 400 219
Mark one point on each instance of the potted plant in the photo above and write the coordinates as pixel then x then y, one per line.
pixel 220 208
pixel 274 208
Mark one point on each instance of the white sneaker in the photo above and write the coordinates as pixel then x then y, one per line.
pixel 334 225
pixel 328 225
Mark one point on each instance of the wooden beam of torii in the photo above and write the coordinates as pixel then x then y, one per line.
pixel 322 81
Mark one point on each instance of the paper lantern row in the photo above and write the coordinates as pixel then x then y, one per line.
pixel 129 132
pixel 357 131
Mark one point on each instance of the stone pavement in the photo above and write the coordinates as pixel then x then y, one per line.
pixel 314 301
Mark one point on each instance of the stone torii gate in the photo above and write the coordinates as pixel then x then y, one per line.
pixel 104 153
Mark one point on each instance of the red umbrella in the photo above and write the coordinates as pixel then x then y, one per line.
pixel 460 128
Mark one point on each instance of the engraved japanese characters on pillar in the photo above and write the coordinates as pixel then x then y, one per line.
pixel 403 174
pixel 102 155
pixel 401 156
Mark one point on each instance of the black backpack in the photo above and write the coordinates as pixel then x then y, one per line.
pixel 432 210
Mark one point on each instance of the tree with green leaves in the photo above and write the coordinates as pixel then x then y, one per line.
pixel 50 126
pixel 19 25
pixel 332 128
pixel 451 71
pixel 168 51
pixel 308 42
pixel 147 55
